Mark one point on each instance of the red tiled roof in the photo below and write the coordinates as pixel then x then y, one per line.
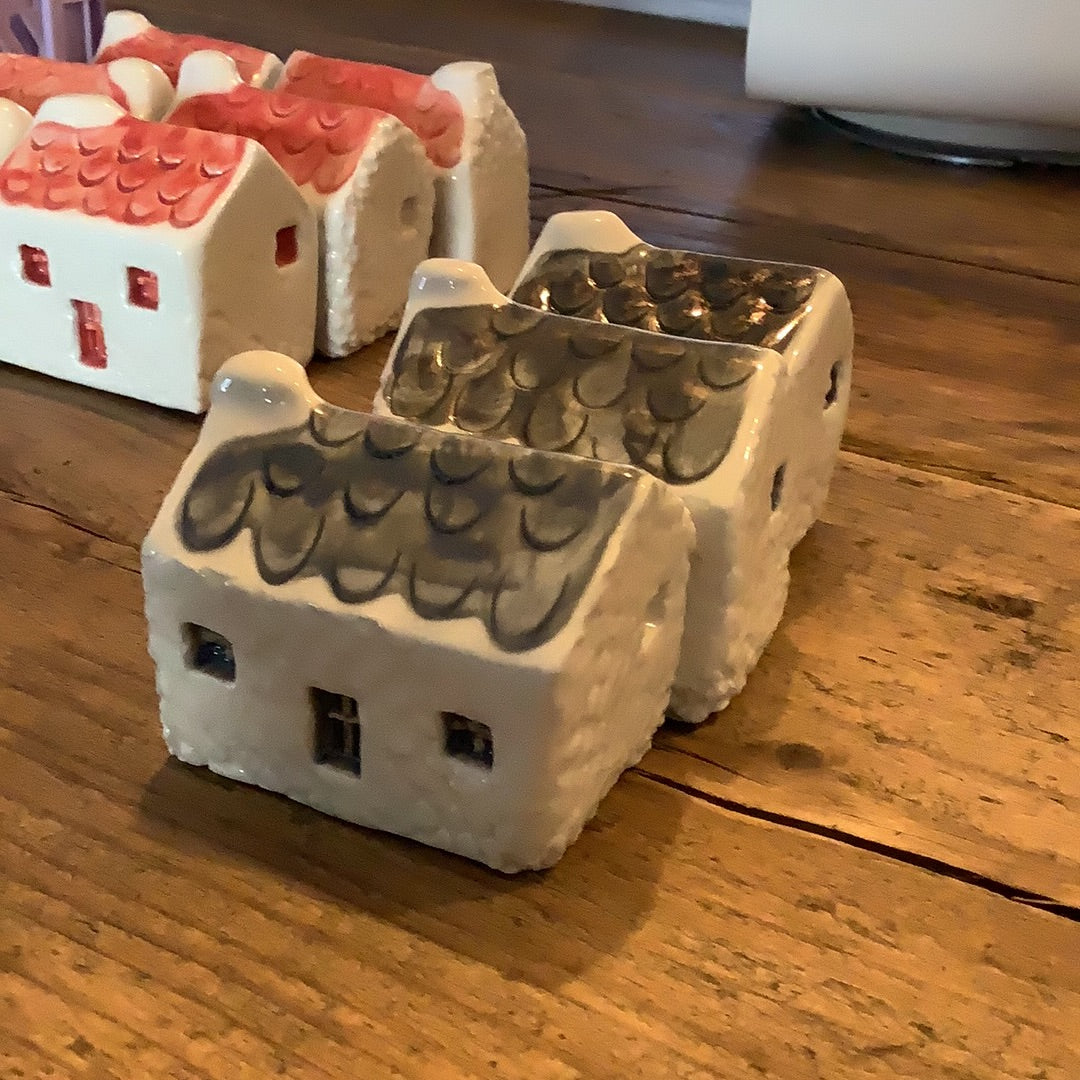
pixel 29 80
pixel 131 171
pixel 435 115
pixel 315 142
pixel 168 51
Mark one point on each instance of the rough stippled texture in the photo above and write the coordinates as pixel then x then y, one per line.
pixel 674 292
pixel 671 408
pixel 31 80
pixel 131 171
pixel 457 526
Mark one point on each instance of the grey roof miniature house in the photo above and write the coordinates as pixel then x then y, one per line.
pixel 445 637
pixel 588 264
pixel 719 422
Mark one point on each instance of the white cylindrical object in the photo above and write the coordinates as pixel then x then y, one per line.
pixel 1011 60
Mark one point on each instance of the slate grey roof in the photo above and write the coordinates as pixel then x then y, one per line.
pixel 669 406
pixel 675 292
pixel 457 526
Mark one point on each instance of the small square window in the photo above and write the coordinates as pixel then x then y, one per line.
pixel 337 730
pixel 210 653
pixel 468 740
pixel 142 288
pixel 286 247
pixel 35 265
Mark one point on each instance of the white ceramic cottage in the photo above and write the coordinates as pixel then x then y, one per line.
pixel 707 418
pixel 588 264
pixel 449 638
pixel 128 33
pixel 364 173
pixel 471 136
pixel 137 85
pixel 140 256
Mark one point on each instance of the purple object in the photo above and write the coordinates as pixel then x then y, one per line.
pixel 60 29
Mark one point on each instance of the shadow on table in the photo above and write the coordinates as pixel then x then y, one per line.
pixel 539 928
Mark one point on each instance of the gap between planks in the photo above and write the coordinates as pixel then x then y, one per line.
pixel 888 851
pixel 103 548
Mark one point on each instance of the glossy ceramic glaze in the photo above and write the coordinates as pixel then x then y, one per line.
pixel 472 139
pixel 137 85
pixel 127 33
pixel 716 420
pixel 146 254
pixel 450 638
pixel 362 171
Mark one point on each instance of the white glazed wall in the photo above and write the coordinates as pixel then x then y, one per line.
pixel 482 204
pixel 249 301
pixel 152 355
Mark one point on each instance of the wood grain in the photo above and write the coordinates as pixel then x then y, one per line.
pixel 158 921
pixel 913 711
pixel 611 104
pixel 840 876
pixel 967 372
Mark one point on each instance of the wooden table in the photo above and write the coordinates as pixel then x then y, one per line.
pixel 866 867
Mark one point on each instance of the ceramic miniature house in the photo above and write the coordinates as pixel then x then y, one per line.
pixel 705 417
pixel 590 265
pixel 141 256
pixel 137 85
pixel 471 136
pixel 127 33
pixel 449 638
pixel 60 29
pixel 364 173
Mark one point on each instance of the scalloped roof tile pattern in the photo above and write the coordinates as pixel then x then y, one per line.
pixel 29 80
pixel 434 115
pixel 675 292
pixel 458 527
pixel 132 171
pixel 552 383
pixel 169 51
pixel 316 142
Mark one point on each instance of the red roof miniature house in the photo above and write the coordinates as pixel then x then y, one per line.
pixel 364 173
pixel 143 255
pixel 127 33
pixel 137 85
pixel 471 136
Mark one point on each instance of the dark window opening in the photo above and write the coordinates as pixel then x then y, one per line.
pixel 337 730
pixel 777 486
pixel 834 385
pixel 90 334
pixel 286 249
pixel 35 265
pixel 210 653
pixel 468 740
pixel 142 288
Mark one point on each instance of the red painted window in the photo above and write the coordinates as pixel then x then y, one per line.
pixel 286 248
pixel 35 265
pixel 90 333
pixel 142 288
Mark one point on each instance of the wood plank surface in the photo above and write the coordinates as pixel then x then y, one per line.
pixel 158 921
pixel 920 691
pixel 611 103
pixel 868 866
